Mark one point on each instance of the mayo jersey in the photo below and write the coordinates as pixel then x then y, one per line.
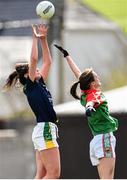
pixel 100 121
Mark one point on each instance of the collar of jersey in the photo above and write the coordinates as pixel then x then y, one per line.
pixel 89 91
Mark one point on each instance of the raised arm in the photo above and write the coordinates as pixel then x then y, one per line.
pixel 33 57
pixel 70 62
pixel 46 56
pixel 73 67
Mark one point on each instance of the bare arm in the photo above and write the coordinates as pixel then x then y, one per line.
pixel 73 67
pixel 33 58
pixel 46 55
pixel 70 62
pixel 46 59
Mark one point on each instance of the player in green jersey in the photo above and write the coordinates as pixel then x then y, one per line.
pixel 102 125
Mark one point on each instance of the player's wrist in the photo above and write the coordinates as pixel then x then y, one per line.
pixel 43 38
pixel 89 110
pixel 35 38
pixel 63 51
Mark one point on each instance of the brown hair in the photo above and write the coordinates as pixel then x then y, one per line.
pixel 20 70
pixel 84 80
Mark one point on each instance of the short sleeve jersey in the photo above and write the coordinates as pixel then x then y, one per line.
pixel 100 121
pixel 40 100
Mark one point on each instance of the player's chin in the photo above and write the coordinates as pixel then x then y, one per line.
pixel 99 84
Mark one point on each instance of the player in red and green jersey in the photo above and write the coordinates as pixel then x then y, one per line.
pixel 97 112
pixel 102 125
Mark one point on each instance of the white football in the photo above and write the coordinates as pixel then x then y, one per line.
pixel 45 10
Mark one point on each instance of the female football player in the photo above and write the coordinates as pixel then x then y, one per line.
pixel 102 125
pixel 40 100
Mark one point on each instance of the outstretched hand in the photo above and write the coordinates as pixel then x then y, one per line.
pixel 64 52
pixel 40 31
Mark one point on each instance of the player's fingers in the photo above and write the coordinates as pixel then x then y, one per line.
pixel 56 45
pixel 46 26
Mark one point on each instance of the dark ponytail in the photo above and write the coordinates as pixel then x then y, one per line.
pixel 85 80
pixel 18 75
pixel 12 79
pixel 73 90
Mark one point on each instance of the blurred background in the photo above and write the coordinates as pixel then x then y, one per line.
pixel 94 33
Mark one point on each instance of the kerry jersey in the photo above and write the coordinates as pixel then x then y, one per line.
pixel 100 122
pixel 40 100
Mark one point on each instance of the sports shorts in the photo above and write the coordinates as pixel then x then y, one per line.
pixel 44 136
pixel 102 145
